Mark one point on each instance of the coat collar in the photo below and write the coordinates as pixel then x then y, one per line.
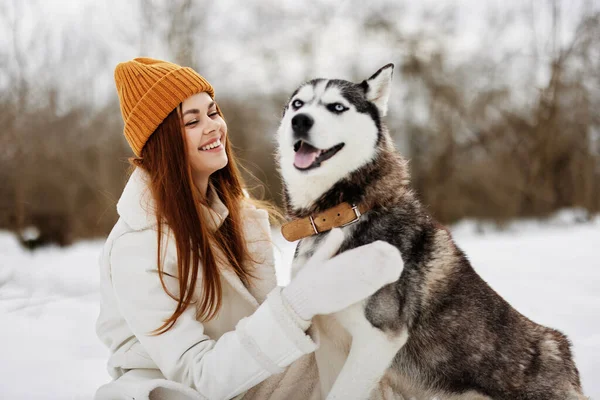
pixel 136 205
pixel 136 208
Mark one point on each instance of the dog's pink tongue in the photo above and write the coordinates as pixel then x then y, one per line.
pixel 305 155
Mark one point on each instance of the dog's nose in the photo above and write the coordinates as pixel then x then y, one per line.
pixel 301 124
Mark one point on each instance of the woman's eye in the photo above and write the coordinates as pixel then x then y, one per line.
pixel 192 122
pixel 297 104
pixel 213 114
pixel 337 107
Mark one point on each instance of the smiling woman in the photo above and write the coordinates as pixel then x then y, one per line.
pixel 189 303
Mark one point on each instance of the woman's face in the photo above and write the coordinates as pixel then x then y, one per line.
pixel 205 135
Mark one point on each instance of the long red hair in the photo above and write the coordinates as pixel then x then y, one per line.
pixel 178 204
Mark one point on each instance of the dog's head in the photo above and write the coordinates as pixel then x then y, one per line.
pixel 329 129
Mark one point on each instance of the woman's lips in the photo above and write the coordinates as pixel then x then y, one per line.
pixel 212 146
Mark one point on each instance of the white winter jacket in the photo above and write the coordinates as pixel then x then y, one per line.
pixel 253 337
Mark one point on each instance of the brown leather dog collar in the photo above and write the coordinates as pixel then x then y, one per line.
pixel 340 215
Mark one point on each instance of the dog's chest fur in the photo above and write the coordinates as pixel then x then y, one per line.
pixel 328 324
pixel 334 337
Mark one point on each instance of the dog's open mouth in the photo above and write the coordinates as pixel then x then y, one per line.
pixel 308 156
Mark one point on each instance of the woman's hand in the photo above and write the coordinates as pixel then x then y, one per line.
pixel 326 285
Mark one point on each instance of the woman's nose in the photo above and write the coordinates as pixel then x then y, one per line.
pixel 211 126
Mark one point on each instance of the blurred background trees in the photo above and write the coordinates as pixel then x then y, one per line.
pixel 495 105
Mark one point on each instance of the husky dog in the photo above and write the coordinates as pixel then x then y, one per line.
pixel 439 332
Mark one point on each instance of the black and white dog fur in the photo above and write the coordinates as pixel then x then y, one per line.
pixel 439 332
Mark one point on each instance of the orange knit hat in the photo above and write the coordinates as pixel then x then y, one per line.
pixel 148 91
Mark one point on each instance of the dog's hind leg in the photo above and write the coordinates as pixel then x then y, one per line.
pixel 371 354
pixel 385 391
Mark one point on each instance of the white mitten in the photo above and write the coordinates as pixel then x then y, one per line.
pixel 326 285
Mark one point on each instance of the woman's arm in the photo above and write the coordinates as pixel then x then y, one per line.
pixel 262 344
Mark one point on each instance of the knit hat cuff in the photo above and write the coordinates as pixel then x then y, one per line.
pixel 158 102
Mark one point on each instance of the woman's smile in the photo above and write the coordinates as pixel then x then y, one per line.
pixel 213 146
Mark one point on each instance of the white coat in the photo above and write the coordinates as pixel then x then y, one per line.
pixel 255 347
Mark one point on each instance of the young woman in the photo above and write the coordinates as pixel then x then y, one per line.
pixel 190 308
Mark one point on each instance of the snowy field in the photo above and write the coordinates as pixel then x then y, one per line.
pixel 49 301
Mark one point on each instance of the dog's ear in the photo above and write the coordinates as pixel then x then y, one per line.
pixel 378 87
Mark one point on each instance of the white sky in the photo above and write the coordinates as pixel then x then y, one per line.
pixel 102 33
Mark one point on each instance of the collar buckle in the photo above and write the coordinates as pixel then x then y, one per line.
pixel 356 212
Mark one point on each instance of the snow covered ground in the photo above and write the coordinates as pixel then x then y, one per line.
pixel 49 300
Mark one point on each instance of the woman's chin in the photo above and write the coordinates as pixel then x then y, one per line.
pixel 217 165
pixel 223 164
pixel 209 166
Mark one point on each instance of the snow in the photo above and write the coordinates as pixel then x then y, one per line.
pixel 49 299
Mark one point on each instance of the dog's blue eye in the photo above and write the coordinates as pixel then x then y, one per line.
pixel 336 107
pixel 297 104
